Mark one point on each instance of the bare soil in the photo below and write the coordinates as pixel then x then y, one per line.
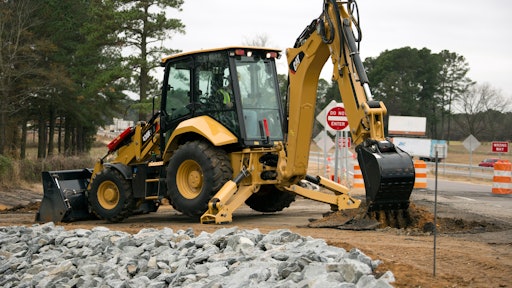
pixel 470 250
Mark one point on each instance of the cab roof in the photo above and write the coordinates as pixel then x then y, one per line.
pixel 227 48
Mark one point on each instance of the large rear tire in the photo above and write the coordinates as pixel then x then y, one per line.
pixel 196 171
pixel 270 199
pixel 111 196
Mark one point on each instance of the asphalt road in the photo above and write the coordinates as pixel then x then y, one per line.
pixel 477 198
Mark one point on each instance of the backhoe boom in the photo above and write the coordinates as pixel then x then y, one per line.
pixel 388 172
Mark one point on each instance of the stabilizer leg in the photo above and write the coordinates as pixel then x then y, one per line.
pixel 227 200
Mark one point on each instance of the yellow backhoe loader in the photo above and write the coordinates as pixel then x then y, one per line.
pixel 222 137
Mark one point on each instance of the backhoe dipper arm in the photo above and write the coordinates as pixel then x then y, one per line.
pixel 331 35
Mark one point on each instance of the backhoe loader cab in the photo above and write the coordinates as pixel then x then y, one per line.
pixel 220 114
pixel 236 87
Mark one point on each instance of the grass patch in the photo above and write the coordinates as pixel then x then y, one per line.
pixel 6 169
pixel 14 173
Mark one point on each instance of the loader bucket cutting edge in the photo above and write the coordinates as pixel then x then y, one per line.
pixel 64 198
pixel 388 178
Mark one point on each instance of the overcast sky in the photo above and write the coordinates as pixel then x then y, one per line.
pixel 477 30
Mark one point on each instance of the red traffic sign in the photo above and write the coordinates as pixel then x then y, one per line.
pixel 500 147
pixel 344 142
pixel 336 118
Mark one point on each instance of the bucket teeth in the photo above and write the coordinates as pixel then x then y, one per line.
pixel 391 218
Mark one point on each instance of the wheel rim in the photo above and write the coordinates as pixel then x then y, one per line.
pixel 189 179
pixel 108 195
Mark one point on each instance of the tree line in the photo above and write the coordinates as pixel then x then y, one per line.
pixel 418 82
pixel 66 68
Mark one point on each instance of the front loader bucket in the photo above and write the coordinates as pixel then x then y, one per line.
pixel 64 198
pixel 388 174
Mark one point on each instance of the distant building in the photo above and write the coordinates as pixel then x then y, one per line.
pixel 114 129
pixel 120 125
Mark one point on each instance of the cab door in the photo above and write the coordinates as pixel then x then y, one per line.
pixel 176 94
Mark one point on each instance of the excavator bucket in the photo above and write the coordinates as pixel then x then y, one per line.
pixel 64 198
pixel 388 174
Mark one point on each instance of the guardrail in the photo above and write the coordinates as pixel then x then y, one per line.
pixel 463 170
pixel 445 169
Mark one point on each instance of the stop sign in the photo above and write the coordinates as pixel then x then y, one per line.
pixel 336 118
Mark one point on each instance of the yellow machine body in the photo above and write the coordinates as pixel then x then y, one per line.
pixel 223 137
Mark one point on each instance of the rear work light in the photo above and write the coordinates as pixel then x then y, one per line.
pixel 272 55
pixel 240 52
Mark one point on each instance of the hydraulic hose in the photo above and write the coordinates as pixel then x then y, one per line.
pixel 346 35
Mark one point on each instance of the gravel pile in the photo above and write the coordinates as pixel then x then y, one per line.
pixel 49 256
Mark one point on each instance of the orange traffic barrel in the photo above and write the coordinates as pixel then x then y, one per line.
pixel 358 177
pixel 502 180
pixel 420 169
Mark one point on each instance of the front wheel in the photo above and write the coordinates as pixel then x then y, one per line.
pixel 196 171
pixel 111 196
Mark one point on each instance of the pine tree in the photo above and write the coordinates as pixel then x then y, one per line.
pixel 143 30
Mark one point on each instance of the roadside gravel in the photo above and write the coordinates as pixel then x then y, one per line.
pixel 50 256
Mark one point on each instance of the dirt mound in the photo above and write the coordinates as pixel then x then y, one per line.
pixel 28 208
pixel 459 225
pixel 416 218
pixel 360 219
pixel 19 197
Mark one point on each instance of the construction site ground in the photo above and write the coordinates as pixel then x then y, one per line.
pixel 471 250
